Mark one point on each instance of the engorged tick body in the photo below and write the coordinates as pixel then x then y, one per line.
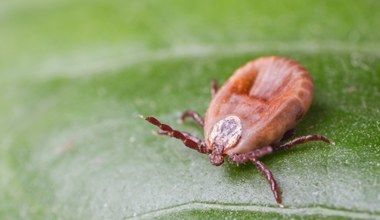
pixel 249 116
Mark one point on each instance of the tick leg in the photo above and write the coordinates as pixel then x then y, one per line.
pixel 301 140
pixel 214 87
pixel 186 134
pixel 255 154
pixel 194 115
pixel 187 139
pixel 290 133
pixel 272 182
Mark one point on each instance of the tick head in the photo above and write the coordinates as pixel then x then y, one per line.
pixel 225 134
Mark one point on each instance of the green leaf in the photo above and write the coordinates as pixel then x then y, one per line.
pixel 75 76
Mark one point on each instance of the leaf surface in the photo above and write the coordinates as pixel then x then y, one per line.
pixel 75 76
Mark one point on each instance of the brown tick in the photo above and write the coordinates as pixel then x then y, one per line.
pixel 251 114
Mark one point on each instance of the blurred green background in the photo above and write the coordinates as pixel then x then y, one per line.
pixel 75 75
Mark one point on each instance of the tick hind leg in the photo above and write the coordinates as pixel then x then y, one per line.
pixel 288 134
pixel 301 140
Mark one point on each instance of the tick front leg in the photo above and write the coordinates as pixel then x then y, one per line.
pixel 187 139
pixel 301 140
pixel 186 134
pixel 193 115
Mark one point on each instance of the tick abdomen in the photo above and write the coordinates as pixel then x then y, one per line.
pixel 269 95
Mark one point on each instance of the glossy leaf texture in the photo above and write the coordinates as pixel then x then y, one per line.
pixel 76 75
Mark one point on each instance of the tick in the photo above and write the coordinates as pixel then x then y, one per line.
pixel 252 115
